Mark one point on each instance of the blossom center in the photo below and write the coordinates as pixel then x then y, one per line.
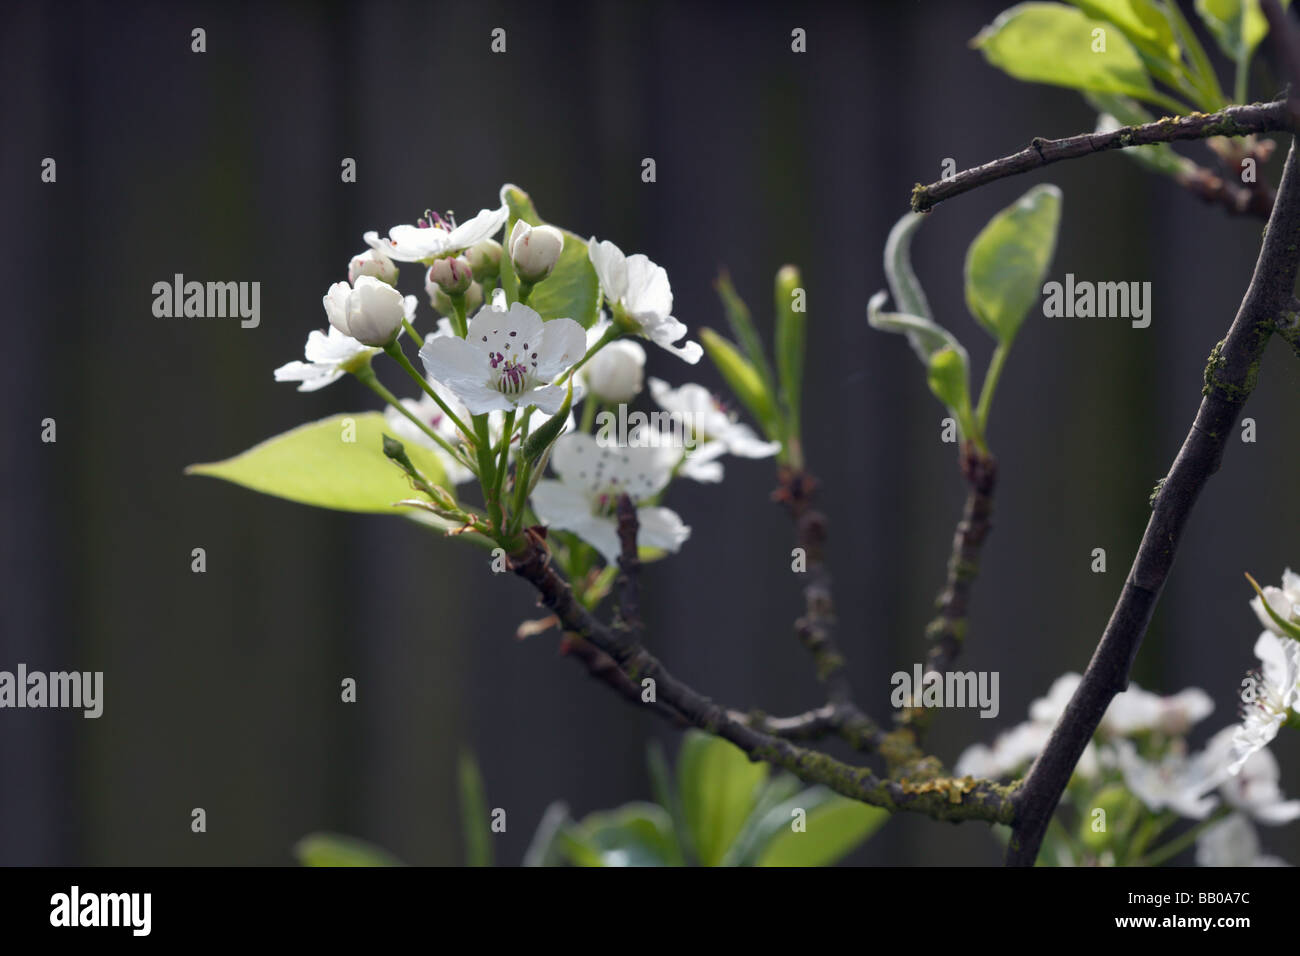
pixel 512 373
pixel 432 220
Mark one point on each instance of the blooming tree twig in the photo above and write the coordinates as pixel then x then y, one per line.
pixel 1230 377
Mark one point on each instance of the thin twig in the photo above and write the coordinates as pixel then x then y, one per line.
pixel 947 631
pixel 816 627
pixel 1238 200
pixel 1229 379
pixel 1233 121
pixel 604 669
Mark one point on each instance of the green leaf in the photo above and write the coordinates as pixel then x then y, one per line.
pixel 1006 263
pixel 791 333
pixel 1203 70
pixel 635 834
pixel 661 785
pixel 313 464
pixel 904 285
pixel 743 380
pixel 719 787
pixel 835 826
pixel 1237 26
pixel 1142 21
pixel 331 849
pixel 572 290
pixel 757 830
pixel 474 821
pixel 742 327
pixel 948 380
pixel 1052 43
pixel 925 337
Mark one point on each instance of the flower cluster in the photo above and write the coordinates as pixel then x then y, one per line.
pixel 515 351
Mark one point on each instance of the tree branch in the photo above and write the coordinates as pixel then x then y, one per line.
pixel 604 669
pixel 629 569
pixel 937 796
pixel 816 627
pixel 1230 377
pixel 947 631
pixel 1217 191
pixel 1233 121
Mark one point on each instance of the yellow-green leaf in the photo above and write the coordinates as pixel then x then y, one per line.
pixel 832 830
pixel 329 849
pixel 743 380
pixel 1006 263
pixel 1056 44
pixel 1237 25
pixel 1142 21
pixel 572 290
pixel 719 787
pixel 337 462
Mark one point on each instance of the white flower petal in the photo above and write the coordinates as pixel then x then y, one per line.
pixel 661 528
pixel 454 362
pixel 563 343
pixel 547 398
pixel 611 268
pixel 648 291
pixel 486 224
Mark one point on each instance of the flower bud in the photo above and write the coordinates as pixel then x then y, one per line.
pixel 452 274
pixel 374 263
pixel 534 250
pixel 485 259
pixel 442 302
pixel 370 312
pixel 617 372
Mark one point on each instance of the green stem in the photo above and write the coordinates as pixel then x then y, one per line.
pixel 367 377
pixel 486 474
pixel 459 324
pixel 525 290
pixel 1205 77
pixel 589 414
pixel 990 386
pixel 503 465
pixel 1181 842
pixel 394 351
pixel 410 330
pixel 523 478
pixel 610 335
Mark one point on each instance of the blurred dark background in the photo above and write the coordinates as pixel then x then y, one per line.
pixel 222 689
